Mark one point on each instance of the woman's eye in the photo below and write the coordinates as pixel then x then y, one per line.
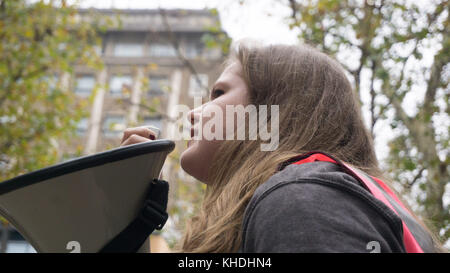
pixel 216 93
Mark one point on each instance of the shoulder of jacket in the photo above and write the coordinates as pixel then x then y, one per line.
pixel 319 170
pixel 320 173
pixel 319 177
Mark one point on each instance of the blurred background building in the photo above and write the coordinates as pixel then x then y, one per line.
pixel 154 61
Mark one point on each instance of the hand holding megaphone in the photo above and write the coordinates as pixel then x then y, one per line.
pixel 140 134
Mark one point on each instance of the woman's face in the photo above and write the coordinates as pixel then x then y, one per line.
pixel 229 89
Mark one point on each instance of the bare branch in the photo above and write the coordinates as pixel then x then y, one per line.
pixel 418 175
pixel 372 99
pixel 176 45
pixel 440 60
pixel 293 5
pixel 391 95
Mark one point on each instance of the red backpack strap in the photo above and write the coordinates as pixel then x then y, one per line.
pixel 382 192
pixel 411 245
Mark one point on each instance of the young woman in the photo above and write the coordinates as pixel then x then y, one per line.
pixel 253 205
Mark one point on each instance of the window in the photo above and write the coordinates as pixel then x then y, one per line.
pixel 192 50
pixel 120 86
pixel 82 126
pixel 128 50
pixel 84 85
pixel 154 121
pixel 98 50
pixel 162 50
pixel 158 85
pixel 114 125
pixel 198 89
pixel 213 53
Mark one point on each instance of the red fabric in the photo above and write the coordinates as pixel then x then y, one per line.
pixel 410 242
pixel 314 157
pixel 388 190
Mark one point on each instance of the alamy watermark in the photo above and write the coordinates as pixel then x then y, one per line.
pixel 210 120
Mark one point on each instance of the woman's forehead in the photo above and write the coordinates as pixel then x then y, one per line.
pixel 230 73
pixel 233 68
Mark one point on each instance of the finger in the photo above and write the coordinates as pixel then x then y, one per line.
pixel 156 130
pixel 141 131
pixel 133 139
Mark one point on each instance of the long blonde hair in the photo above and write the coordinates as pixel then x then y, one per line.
pixel 318 110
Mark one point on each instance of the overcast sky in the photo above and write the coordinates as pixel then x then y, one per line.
pixel 238 22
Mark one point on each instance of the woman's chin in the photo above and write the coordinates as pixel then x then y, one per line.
pixel 189 162
pixel 187 159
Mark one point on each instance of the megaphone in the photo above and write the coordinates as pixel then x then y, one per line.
pixel 93 203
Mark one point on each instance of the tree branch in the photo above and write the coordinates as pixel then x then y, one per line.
pixel 372 99
pixel 176 45
pixel 418 175
pixel 391 94
pixel 293 5
pixel 440 60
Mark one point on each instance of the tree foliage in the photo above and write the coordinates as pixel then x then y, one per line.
pixel 41 43
pixel 397 49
